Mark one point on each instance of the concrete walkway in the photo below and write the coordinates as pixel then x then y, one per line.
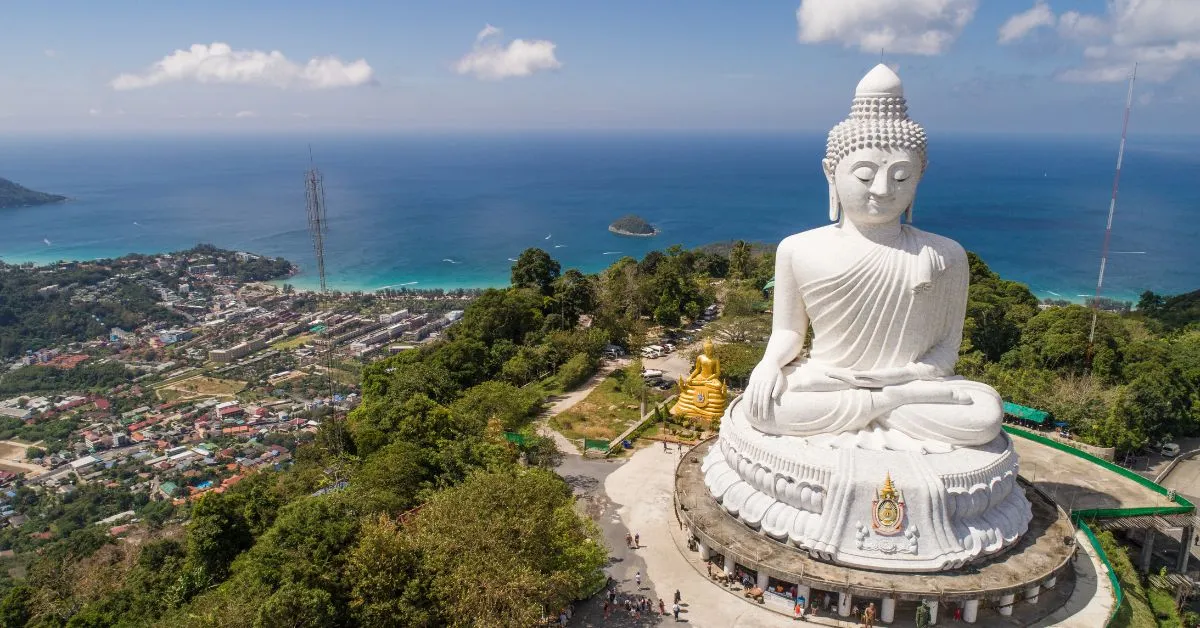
pixel 567 401
pixel 640 491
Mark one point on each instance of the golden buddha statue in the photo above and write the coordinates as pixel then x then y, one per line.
pixel 702 395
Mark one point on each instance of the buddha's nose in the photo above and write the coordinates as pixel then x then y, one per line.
pixel 881 185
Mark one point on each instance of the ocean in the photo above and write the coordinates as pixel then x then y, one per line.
pixel 452 210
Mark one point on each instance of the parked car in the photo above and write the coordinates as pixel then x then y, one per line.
pixel 1170 450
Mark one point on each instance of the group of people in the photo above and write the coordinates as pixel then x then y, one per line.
pixel 633 541
pixel 637 605
pixel 804 610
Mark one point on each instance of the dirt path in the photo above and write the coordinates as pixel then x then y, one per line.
pixel 565 402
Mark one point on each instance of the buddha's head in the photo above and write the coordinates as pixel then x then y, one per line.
pixel 875 158
pixel 708 347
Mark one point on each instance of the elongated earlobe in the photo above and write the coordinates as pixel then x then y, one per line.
pixel 908 213
pixel 835 206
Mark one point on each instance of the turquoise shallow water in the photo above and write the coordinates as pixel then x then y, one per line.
pixel 451 210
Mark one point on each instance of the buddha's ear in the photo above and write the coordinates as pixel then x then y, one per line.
pixel 908 213
pixel 835 204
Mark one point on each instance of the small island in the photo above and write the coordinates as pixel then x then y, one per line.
pixel 13 195
pixel 633 226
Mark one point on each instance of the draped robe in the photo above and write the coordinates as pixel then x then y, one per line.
pixel 898 305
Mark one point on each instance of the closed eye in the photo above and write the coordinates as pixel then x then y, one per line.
pixel 864 174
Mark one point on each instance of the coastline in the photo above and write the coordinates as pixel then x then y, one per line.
pixel 306 282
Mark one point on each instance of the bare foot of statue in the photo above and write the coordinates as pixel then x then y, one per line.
pixel 922 391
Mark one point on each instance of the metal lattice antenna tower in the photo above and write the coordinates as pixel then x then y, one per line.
pixel 314 186
pixel 1112 208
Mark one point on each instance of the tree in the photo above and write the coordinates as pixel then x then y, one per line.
pixel 740 263
pixel 513 407
pixel 576 371
pixel 574 295
pixel 1057 339
pixel 535 269
pixel 532 552
pixel 996 311
pixel 389 587
pixel 296 606
pixel 217 534
pixel 741 329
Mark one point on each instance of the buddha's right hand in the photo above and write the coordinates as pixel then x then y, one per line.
pixel 766 386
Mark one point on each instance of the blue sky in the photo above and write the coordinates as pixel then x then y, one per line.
pixel 1010 66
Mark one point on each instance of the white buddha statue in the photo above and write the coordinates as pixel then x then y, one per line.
pixel 867 450
pixel 886 300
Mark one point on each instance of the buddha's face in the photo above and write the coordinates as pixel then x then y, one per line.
pixel 876 185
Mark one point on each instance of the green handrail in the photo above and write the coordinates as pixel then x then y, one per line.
pixel 1118 593
pixel 1183 506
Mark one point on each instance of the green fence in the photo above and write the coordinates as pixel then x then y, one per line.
pixel 1184 506
pixel 1118 593
pixel 1079 517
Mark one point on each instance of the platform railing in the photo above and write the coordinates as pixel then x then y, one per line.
pixel 1080 516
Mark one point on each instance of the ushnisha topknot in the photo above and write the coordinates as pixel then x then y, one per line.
pixel 878 118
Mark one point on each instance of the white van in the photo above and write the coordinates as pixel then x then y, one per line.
pixel 1170 450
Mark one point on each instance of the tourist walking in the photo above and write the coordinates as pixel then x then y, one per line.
pixel 678 597
pixel 628 540
pixel 637 540
pixel 662 607
pixel 637 577
pixel 675 611
pixel 798 609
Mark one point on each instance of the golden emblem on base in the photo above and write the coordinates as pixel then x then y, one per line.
pixel 887 511
pixel 702 395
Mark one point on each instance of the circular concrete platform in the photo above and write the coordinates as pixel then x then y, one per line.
pixel 1035 561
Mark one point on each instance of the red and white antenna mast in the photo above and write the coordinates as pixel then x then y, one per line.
pixel 1112 208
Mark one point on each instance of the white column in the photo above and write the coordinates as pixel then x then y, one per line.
pixel 762 580
pixel 970 611
pixel 933 606
pixel 705 554
pixel 1032 593
pixel 844 601
pixel 803 590
pixel 887 610
pixel 1006 604
pixel 729 566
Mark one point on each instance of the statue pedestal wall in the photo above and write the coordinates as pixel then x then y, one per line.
pixel 872 500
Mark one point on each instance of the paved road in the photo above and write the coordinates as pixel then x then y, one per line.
pixel 587 477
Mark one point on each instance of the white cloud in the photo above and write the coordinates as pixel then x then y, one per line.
pixel 94 112
pixel 923 27
pixel 220 63
pixel 1077 26
pixel 493 61
pixel 1022 24
pixel 488 31
pixel 50 52
pixel 245 114
pixel 1161 36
